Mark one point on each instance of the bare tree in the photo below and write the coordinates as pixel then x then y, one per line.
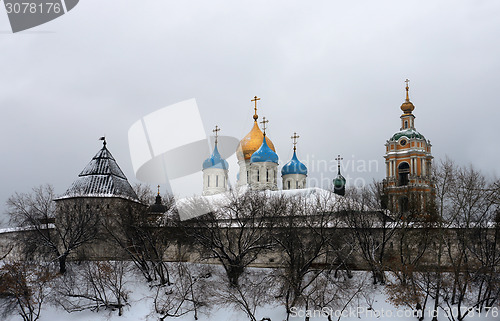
pixel 254 290
pixel 144 241
pixel 413 247
pixel 24 288
pixel 463 241
pixel 371 229
pixel 303 234
pixel 329 293
pixel 53 233
pixel 94 286
pixel 236 233
pixel 190 291
pixel 145 237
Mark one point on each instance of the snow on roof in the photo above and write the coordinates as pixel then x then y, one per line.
pixel 102 177
pixel 22 228
pixel 192 207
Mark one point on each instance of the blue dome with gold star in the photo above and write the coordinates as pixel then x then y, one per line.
pixel 215 161
pixel 294 166
pixel 264 154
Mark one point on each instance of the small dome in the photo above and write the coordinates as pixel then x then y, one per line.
pixel 251 142
pixel 339 182
pixel 407 107
pixel 294 166
pixel 157 207
pixel 264 154
pixel 215 161
pixel 408 133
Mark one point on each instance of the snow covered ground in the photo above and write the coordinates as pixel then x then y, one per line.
pixel 141 307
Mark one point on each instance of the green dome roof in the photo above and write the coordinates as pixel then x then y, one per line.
pixel 408 133
pixel 339 182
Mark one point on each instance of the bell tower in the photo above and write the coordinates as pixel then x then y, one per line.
pixel 408 159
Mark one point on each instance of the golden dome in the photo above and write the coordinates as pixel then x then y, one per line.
pixel 407 107
pixel 251 142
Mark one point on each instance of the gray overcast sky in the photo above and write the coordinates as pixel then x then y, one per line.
pixel 333 71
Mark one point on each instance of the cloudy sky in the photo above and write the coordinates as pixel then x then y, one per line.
pixel 332 71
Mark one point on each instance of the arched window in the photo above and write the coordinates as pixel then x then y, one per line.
pixel 288 182
pixel 217 181
pixel 267 175
pixel 208 180
pixel 406 124
pixel 403 171
pixel 258 174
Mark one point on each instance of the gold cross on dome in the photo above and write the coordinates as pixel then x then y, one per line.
pixel 255 99
pixel 294 137
pixel 216 131
pixel 407 89
pixel 264 122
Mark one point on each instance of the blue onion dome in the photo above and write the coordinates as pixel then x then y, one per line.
pixel 215 161
pixel 294 166
pixel 264 154
pixel 408 133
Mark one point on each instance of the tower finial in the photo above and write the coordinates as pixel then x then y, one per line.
pixel 264 122
pixel 158 190
pixel 103 138
pixel 338 159
pixel 216 131
pixel 294 137
pixel 255 99
pixel 407 90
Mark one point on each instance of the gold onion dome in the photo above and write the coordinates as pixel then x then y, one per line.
pixel 407 107
pixel 251 142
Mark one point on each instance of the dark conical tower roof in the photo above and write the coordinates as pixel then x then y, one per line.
pixel 102 177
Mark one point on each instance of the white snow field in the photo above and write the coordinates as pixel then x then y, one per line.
pixel 141 305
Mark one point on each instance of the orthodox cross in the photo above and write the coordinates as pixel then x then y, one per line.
pixel 255 99
pixel 264 122
pixel 158 190
pixel 294 137
pixel 407 89
pixel 216 131
pixel 338 159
